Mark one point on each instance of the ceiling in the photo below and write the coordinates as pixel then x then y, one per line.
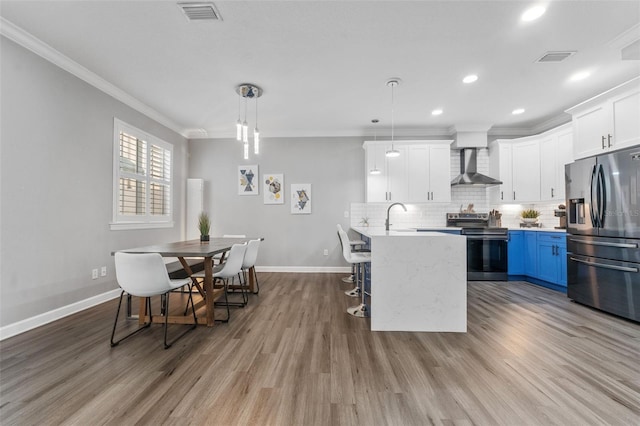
pixel 323 65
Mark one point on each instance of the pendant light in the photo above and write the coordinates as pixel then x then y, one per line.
pixel 256 134
pixel 245 127
pixel 248 91
pixel 239 123
pixel 392 152
pixel 375 170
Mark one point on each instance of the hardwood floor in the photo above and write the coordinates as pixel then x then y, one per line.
pixel 294 357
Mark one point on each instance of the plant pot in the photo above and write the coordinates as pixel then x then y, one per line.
pixel 204 238
pixel 529 219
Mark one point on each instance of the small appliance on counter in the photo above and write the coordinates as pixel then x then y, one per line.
pixel 561 212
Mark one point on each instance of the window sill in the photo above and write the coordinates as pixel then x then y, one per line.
pixel 123 226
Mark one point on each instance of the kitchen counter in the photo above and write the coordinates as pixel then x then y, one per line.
pixel 370 231
pixel 564 231
pixel 418 280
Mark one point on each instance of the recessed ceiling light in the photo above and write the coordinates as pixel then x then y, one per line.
pixel 517 111
pixel 470 78
pixel 533 13
pixel 580 76
pixel 436 112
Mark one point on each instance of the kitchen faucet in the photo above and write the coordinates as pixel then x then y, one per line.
pixel 386 222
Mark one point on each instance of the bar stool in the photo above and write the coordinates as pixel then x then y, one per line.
pixel 355 292
pixel 356 259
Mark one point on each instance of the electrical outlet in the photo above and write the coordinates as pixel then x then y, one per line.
pixel 103 271
pixel 326 252
pixel 94 274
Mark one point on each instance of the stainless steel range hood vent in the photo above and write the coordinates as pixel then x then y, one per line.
pixel 468 171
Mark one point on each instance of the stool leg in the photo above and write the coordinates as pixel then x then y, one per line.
pixel 349 279
pixel 354 292
pixel 360 310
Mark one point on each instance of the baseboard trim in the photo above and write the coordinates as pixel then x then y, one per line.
pixel 56 314
pixel 306 269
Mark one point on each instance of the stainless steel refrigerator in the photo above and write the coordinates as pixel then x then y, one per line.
pixel 603 232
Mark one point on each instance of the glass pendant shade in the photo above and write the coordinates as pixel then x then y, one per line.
pixel 392 153
pixel 238 130
pixel 256 141
pixel 246 150
pixel 375 172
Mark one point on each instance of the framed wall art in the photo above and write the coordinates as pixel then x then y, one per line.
pixel 273 188
pixel 301 198
pixel 248 180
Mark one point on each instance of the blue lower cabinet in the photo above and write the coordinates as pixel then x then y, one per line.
pixel 531 254
pixel 515 253
pixel 367 285
pixel 552 257
pixel 540 255
pixel 562 258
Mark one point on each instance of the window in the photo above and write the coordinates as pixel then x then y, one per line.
pixel 142 179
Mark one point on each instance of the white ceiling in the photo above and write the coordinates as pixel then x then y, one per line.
pixel 323 65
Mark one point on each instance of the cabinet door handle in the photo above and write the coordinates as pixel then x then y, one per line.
pixel 502 195
pixel 603 147
pixel 553 250
pixel 551 192
pixel 514 195
pixel 609 140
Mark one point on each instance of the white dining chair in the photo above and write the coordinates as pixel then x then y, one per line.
pixel 249 265
pixel 220 257
pixel 145 275
pixel 229 269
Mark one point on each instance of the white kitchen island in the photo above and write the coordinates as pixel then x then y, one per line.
pixel 418 280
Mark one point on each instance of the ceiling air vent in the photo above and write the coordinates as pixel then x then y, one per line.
pixel 198 11
pixel 555 56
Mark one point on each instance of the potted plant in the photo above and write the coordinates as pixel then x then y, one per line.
pixel 530 215
pixel 203 225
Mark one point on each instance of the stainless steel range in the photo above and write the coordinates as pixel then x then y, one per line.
pixel 486 246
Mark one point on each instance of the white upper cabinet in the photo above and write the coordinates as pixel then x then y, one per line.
pixel 556 150
pixel 608 121
pixel 532 168
pixel 526 171
pixel 422 172
pixel 517 164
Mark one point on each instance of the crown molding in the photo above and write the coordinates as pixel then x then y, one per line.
pixel 40 48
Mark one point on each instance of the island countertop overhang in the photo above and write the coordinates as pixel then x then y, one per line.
pixel 407 232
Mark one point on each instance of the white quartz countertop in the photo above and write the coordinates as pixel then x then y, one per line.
pixel 373 231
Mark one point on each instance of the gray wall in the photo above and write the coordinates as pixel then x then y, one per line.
pixel 56 186
pixel 333 166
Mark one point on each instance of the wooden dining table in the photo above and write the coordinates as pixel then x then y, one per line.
pixel 194 249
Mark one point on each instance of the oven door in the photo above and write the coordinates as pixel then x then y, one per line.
pixel 486 258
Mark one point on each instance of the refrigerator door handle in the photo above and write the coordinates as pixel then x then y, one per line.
pixel 602 265
pixel 604 244
pixel 602 196
pixel 592 213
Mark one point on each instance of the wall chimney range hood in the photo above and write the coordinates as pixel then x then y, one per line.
pixel 468 171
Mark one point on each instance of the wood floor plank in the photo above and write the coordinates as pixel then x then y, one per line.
pixel 294 357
